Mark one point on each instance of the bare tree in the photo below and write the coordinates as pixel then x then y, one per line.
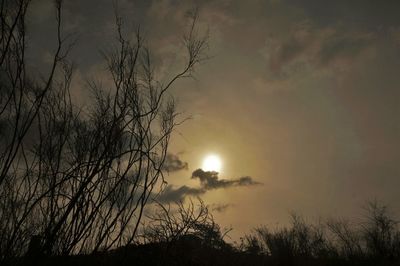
pixel 380 231
pixel 79 180
pixel 21 101
pixel 184 222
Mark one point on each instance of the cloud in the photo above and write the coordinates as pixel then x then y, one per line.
pixel 173 163
pixel 307 43
pixel 209 180
pixel 174 195
pixel 220 207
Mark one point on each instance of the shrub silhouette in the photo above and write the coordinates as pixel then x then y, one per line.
pixel 373 241
pixel 298 240
pixel 380 232
pixel 192 224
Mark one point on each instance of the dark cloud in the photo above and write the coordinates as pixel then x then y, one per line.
pixel 174 195
pixel 209 180
pixel 173 163
pixel 220 207
pixel 361 13
pixel 317 46
pixel 342 46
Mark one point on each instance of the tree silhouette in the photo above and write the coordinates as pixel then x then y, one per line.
pixel 77 180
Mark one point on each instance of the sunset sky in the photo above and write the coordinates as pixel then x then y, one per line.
pixel 299 99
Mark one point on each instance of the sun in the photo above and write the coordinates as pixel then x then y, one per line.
pixel 212 162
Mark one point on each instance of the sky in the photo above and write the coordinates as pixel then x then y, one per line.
pixel 300 99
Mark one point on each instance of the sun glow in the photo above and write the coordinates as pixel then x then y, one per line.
pixel 212 163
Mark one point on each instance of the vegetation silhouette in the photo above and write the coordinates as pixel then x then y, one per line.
pixel 186 234
pixel 77 179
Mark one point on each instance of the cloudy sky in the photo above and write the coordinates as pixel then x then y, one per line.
pixel 300 99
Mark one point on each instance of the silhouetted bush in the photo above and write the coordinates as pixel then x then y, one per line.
pixel 380 232
pixel 373 241
pixel 189 223
pixel 346 239
pixel 298 240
